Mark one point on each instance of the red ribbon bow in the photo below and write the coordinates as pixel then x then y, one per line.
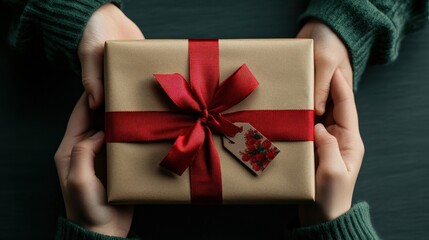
pixel 202 102
pixel 204 98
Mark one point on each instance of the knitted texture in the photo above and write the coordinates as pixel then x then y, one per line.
pixel 372 30
pixel 60 24
pixel 354 224
pixel 67 230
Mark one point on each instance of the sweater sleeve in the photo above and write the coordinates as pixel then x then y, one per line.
pixel 58 23
pixel 372 30
pixel 354 224
pixel 67 230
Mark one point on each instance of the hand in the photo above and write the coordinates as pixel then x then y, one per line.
pixel 84 194
pixel 107 23
pixel 340 151
pixel 330 56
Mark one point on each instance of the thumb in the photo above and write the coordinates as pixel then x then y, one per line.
pixel 92 76
pixel 83 156
pixel 328 150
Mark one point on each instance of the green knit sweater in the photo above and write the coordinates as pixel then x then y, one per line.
pixel 58 24
pixel 354 224
pixel 372 31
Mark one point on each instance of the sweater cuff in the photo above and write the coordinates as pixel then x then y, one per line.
pixel 354 224
pixel 61 23
pixel 67 230
pixel 357 23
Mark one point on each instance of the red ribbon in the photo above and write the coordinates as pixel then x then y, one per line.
pixel 201 103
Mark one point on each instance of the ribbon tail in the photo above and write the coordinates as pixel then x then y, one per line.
pixel 206 180
pixel 185 149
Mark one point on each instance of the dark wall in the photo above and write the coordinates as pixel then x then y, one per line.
pixel 393 101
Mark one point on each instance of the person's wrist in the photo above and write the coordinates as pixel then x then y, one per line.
pixel 361 227
pixel 69 229
pixel 313 213
pixel 335 213
pixel 110 9
pixel 109 230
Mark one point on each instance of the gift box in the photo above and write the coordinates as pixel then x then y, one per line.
pixel 172 106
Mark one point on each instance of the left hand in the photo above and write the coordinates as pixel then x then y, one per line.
pixel 107 23
pixel 84 193
pixel 330 56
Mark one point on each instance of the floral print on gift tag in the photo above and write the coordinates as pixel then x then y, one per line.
pixel 252 148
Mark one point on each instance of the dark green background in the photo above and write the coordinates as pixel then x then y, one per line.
pixel 393 103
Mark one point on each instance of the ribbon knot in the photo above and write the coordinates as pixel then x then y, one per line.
pixel 204 115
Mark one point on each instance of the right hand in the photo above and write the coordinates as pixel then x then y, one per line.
pixel 107 23
pixel 340 152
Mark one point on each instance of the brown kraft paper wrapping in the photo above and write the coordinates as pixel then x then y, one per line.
pixel 284 70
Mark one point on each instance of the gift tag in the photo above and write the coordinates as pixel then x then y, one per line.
pixel 251 147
